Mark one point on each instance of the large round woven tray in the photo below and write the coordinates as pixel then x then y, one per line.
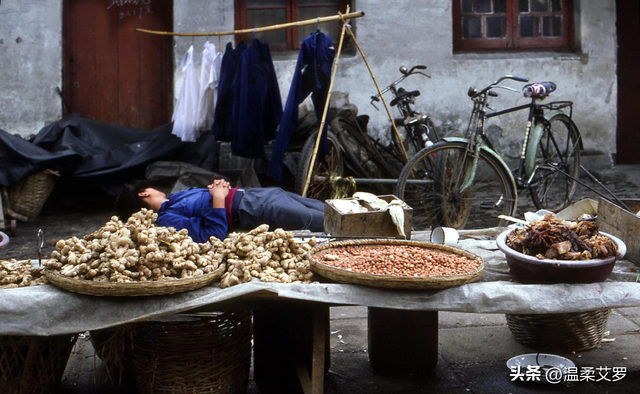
pixel 392 281
pixel 148 288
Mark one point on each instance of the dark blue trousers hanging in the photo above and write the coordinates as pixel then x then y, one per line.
pixel 312 76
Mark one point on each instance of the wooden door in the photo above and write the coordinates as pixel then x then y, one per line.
pixel 628 136
pixel 113 73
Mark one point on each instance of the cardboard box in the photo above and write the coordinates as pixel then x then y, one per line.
pixel 623 224
pixel 362 224
pixel 574 211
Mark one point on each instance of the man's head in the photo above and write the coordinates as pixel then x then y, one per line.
pixel 132 198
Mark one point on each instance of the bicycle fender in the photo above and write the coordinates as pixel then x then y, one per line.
pixel 493 154
pixel 534 140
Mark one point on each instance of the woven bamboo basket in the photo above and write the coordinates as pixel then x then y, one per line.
pixel 560 331
pixel 27 196
pixel 392 281
pixel 148 288
pixel 33 364
pixel 207 353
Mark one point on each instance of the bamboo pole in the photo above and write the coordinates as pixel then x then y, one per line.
pixel 393 124
pixel 326 109
pixel 305 22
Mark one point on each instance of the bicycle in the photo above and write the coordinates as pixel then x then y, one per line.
pixel 465 183
pixel 354 152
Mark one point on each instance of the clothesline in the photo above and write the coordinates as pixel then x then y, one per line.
pixel 306 22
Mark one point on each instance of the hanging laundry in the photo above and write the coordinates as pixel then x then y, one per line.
pixel 312 76
pixel 222 121
pixel 185 114
pixel 257 106
pixel 209 77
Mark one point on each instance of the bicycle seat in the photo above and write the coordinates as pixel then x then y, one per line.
pixel 402 94
pixel 538 89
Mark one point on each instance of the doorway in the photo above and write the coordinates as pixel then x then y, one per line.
pixel 113 73
pixel 628 135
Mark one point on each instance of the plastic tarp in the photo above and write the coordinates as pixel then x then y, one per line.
pixel 47 310
pixel 84 148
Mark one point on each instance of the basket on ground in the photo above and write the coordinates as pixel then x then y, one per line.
pixel 203 353
pixel 560 331
pixel 30 364
pixel 27 196
pixel 394 281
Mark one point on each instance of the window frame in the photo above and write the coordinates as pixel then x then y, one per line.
pixel 513 42
pixel 292 16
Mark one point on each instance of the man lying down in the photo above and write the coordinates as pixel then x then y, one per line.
pixel 219 209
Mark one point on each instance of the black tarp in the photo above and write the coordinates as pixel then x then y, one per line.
pixel 92 150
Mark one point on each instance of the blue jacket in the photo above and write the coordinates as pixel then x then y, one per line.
pixel 257 106
pixel 222 121
pixel 312 76
pixel 192 209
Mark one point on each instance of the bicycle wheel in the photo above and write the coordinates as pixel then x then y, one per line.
pixel 431 183
pixel 319 184
pixel 558 149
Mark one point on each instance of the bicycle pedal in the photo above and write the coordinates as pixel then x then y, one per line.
pixel 488 205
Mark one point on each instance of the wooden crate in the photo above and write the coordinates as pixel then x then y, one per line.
pixel 623 224
pixel 372 223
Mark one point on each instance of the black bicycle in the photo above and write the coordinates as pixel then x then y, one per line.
pixel 464 183
pixel 356 157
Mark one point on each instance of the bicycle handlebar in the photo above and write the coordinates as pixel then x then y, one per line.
pixel 405 73
pixel 473 93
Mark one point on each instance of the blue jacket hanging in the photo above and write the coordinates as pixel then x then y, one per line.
pixel 312 76
pixel 222 121
pixel 257 106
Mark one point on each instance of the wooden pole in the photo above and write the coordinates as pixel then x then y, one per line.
pixel 326 109
pixel 305 22
pixel 404 151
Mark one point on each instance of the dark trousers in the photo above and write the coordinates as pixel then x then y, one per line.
pixel 280 209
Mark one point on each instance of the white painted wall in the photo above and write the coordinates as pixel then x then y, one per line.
pixel 393 33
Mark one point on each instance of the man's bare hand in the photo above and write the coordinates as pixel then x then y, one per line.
pixel 219 190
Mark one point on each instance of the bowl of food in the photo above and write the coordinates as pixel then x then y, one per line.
pixel 559 251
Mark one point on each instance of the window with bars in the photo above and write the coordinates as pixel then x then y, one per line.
pixel 260 13
pixel 504 25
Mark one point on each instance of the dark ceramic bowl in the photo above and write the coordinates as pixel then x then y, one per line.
pixel 530 269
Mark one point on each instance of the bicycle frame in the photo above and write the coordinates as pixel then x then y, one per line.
pixel 526 166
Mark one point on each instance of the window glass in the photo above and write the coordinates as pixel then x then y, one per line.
pixel 499 6
pixel 467 6
pixel 523 5
pixel 266 3
pixel 259 18
pixel 539 5
pixel 483 6
pixel 556 5
pixel 471 27
pixel 529 26
pixel 496 27
pixel 551 26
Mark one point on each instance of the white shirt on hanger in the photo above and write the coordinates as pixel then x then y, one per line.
pixel 185 114
pixel 209 75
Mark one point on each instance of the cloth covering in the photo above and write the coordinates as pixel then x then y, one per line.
pixel 311 76
pixel 47 310
pixel 88 149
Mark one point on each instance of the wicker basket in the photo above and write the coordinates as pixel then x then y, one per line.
pixel 133 289
pixel 33 364
pixel 27 196
pixel 207 353
pixel 560 331
pixel 391 281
